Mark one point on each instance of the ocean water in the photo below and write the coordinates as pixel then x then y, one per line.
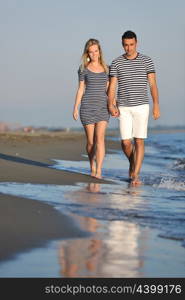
pixel 112 211
pixel 158 203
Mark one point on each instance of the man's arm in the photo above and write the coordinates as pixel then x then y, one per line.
pixel 111 97
pixel 154 94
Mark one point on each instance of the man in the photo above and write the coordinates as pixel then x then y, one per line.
pixel 132 71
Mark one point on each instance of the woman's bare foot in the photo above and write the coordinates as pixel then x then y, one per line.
pixel 93 173
pixel 93 169
pixel 98 175
pixel 93 187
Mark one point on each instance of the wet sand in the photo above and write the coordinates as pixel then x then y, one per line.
pixel 26 224
pixel 26 158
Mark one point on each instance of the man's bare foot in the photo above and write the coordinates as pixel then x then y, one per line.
pixel 131 172
pixel 136 181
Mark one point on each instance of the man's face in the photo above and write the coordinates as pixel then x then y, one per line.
pixel 130 46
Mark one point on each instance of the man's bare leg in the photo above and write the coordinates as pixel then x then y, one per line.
pixel 139 155
pixel 129 150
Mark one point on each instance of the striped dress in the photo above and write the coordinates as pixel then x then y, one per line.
pixel 132 79
pixel 94 107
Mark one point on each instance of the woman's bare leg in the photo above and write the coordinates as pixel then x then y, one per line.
pixel 91 146
pixel 100 146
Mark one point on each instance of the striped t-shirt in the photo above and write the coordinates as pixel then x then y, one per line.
pixel 132 79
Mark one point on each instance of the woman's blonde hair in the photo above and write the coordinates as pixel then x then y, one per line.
pixel 86 58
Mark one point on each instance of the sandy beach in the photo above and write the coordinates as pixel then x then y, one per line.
pixel 93 240
pixel 26 158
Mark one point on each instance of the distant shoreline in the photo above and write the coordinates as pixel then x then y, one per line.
pixel 72 133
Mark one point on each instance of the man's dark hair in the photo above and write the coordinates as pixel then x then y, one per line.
pixel 129 35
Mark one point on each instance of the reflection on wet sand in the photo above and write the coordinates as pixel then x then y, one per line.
pixel 118 254
pixel 80 257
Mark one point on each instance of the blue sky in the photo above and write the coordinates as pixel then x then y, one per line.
pixel 42 42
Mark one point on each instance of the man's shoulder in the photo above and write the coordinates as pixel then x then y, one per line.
pixel 117 59
pixel 145 57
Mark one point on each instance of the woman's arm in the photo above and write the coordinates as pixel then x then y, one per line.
pixel 78 99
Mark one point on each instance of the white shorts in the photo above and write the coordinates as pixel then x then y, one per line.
pixel 133 121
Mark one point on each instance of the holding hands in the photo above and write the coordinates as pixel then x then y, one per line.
pixel 114 111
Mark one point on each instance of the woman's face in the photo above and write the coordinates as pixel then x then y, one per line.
pixel 94 53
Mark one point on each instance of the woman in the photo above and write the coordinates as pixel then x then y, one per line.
pixel 92 95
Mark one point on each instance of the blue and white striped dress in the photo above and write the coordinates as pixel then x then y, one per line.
pixel 94 106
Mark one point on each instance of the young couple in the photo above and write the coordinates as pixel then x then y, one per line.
pixel 132 71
